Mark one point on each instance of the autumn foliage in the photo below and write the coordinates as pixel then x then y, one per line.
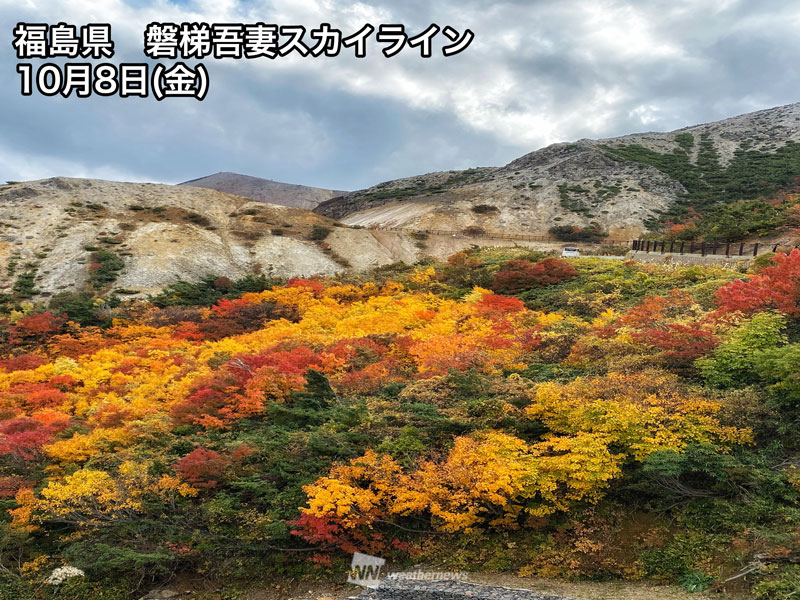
pixel 776 287
pixel 420 410
pixel 517 276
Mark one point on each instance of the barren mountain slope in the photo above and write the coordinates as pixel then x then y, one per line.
pixel 162 233
pixel 265 190
pixel 55 232
pixel 613 184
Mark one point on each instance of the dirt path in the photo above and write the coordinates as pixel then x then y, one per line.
pixel 571 590
pixel 590 590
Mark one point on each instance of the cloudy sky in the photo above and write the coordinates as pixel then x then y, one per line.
pixel 537 72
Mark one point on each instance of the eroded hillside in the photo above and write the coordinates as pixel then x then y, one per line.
pixel 621 187
pixel 54 233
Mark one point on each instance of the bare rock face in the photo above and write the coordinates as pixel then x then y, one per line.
pixel 54 228
pixel 265 190
pixel 579 184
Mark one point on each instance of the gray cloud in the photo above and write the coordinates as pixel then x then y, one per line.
pixel 538 72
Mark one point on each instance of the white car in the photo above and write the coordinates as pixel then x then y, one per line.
pixel 570 252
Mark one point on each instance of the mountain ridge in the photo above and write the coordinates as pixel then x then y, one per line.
pixel 622 186
pixel 264 190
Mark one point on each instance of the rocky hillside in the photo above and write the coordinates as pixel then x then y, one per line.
pixel 65 234
pixel 265 190
pixel 620 186
pixel 55 232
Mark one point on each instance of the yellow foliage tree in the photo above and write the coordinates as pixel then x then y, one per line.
pixel 641 412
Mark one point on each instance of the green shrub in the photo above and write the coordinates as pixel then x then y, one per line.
pixel 319 233
pixel 197 219
pixel 104 559
pixel 685 141
pixel 734 362
pixel 78 306
pixel 485 209
pixel 783 585
pixel 25 285
pixel 762 261
pixel 725 198
pixel 15 588
pixel 695 581
pixel 104 269
pixel 570 233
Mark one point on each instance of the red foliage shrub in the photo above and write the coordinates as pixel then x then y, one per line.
pixel 111 416
pixel 516 276
pixel 23 438
pixel 289 362
pixel 374 376
pixel 32 396
pixel 653 310
pixel 217 400
pixel 314 286
pixel 682 344
pixel 241 452
pixel 10 485
pixel 329 532
pixel 326 532
pixel 776 287
pixel 357 353
pixel 86 341
pixel 495 305
pixel 23 362
pixel 202 468
pixel 63 382
pixel 234 317
pixel 36 327
pixel 215 397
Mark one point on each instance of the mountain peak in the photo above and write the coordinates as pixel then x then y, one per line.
pixel 264 190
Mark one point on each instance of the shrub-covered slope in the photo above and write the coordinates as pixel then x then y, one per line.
pixel 500 411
